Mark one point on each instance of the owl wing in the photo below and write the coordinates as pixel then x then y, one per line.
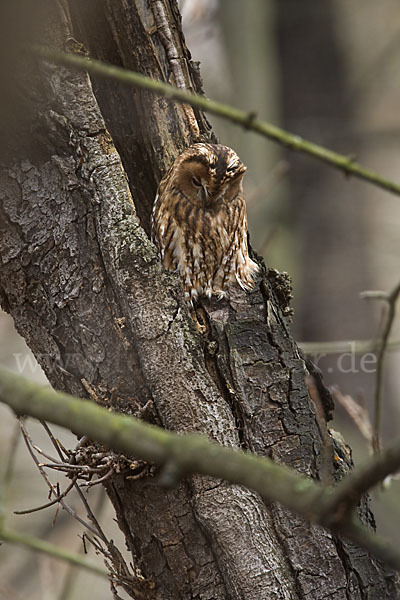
pixel 236 263
pixel 228 233
pixel 160 208
pixel 160 218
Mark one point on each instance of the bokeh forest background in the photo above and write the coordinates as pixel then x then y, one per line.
pixel 327 71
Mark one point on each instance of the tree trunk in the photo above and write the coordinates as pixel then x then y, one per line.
pixel 87 291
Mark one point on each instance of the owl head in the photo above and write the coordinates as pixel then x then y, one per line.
pixel 209 174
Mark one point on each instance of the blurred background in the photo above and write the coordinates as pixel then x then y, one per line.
pixel 327 71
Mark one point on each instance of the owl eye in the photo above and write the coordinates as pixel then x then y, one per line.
pixel 196 181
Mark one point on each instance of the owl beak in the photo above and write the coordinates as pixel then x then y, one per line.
pixel 206 196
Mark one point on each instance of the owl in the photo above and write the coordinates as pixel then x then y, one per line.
pixel 199 222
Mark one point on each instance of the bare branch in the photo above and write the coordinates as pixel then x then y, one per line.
pixel 195 454
pixel 337 347
pixel 391 300
pixel 345 497
pixel 48 504
pixel 51 550
pixel 8 472
pixel 346 164
pixel 357 412
pixel 52 488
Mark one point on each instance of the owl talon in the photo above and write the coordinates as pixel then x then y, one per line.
pixel 221 294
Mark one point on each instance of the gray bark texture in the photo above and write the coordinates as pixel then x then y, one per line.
pixel 80 167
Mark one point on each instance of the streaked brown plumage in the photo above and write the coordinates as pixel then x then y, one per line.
pixel 199 221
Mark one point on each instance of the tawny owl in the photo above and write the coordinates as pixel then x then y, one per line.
pixel 199 221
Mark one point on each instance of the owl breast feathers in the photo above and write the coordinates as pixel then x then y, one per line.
pixel 199 221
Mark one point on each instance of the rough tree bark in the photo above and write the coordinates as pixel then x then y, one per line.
pixel 87 291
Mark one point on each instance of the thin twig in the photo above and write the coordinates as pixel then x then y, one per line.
pixel 51 550
pixel 48 504
pixel 54 461
pixel 8 473
pixel 67 468
pixel 118 568
pixel 69 577
pixel 29 444
pixel 354 346
pixel 346 164
pixel 99 480
pixel 382 344
pixel 358 413
pixel 55 442
pixel 97 531
pixel 66 507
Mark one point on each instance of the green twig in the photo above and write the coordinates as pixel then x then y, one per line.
pixel 247 120
pixel 51 550
pixel 193 453
pixel 8 473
